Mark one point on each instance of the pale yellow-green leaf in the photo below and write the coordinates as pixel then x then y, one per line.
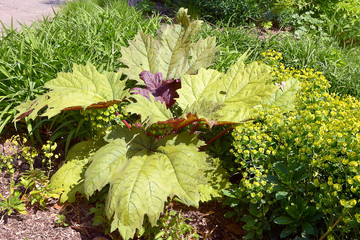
pixel 70 177
pixel 182 17
pixel 284 99
pixel 195 88
pixel 239 90
pixel 151 111
pixel 143 174
pixel 83 87
pixel 217 180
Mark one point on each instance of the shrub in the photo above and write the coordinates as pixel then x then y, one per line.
pixel 300 170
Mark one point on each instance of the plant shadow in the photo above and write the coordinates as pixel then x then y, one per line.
pixel 54 2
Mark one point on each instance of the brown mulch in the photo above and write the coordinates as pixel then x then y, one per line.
pixel 40 223
pixel 209 221
pixel 35 225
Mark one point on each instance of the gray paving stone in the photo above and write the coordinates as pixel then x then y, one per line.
pixel 26 11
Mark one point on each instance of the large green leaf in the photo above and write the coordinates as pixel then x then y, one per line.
pixel 173 53
pixel 82 88
pixel 239 90
pixel 151 111
pixel 70 177
pixel 142 175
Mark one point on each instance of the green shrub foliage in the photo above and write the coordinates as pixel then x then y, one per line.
pixel 339 19
pixel 301 173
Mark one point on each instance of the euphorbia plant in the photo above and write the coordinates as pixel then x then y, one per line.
pixel 144 168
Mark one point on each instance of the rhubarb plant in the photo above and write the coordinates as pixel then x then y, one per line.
pixel 157 152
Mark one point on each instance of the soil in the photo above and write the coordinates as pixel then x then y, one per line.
pixel 208 219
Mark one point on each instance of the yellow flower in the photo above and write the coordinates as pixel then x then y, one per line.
pixel 357 216
pixel 352 202
pixel 357 178
pixel 353 164
pixel 337 187
pixel 350 181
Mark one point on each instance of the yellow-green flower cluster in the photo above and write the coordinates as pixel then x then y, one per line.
pixel 254 184
pixel 29 154
pixel 102 118
pixel 253 142
pixel 17 150
pixel 12 148
pixel 323 132
pixel 271 57
pixel 48 150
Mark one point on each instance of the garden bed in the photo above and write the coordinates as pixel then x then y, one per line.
pixel 169 126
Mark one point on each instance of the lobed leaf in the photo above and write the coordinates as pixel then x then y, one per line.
pixel 85 87
pixel 236 92
pixel 284 97
pixel 70 177
pixel 142 175
pixel 217 181
pixel 172 54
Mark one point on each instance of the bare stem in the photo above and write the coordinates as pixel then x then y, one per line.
pixel 126 124
pixel 332 227
pixel 216 137
pixel 194 128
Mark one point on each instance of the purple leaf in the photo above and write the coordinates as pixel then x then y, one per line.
pixel 163 91
pixel 152 81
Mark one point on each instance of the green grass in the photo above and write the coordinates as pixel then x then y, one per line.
pixel 81 32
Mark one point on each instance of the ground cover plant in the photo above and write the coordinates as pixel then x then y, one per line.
pixel 156 150
pixel 32 187
pixel 336 19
